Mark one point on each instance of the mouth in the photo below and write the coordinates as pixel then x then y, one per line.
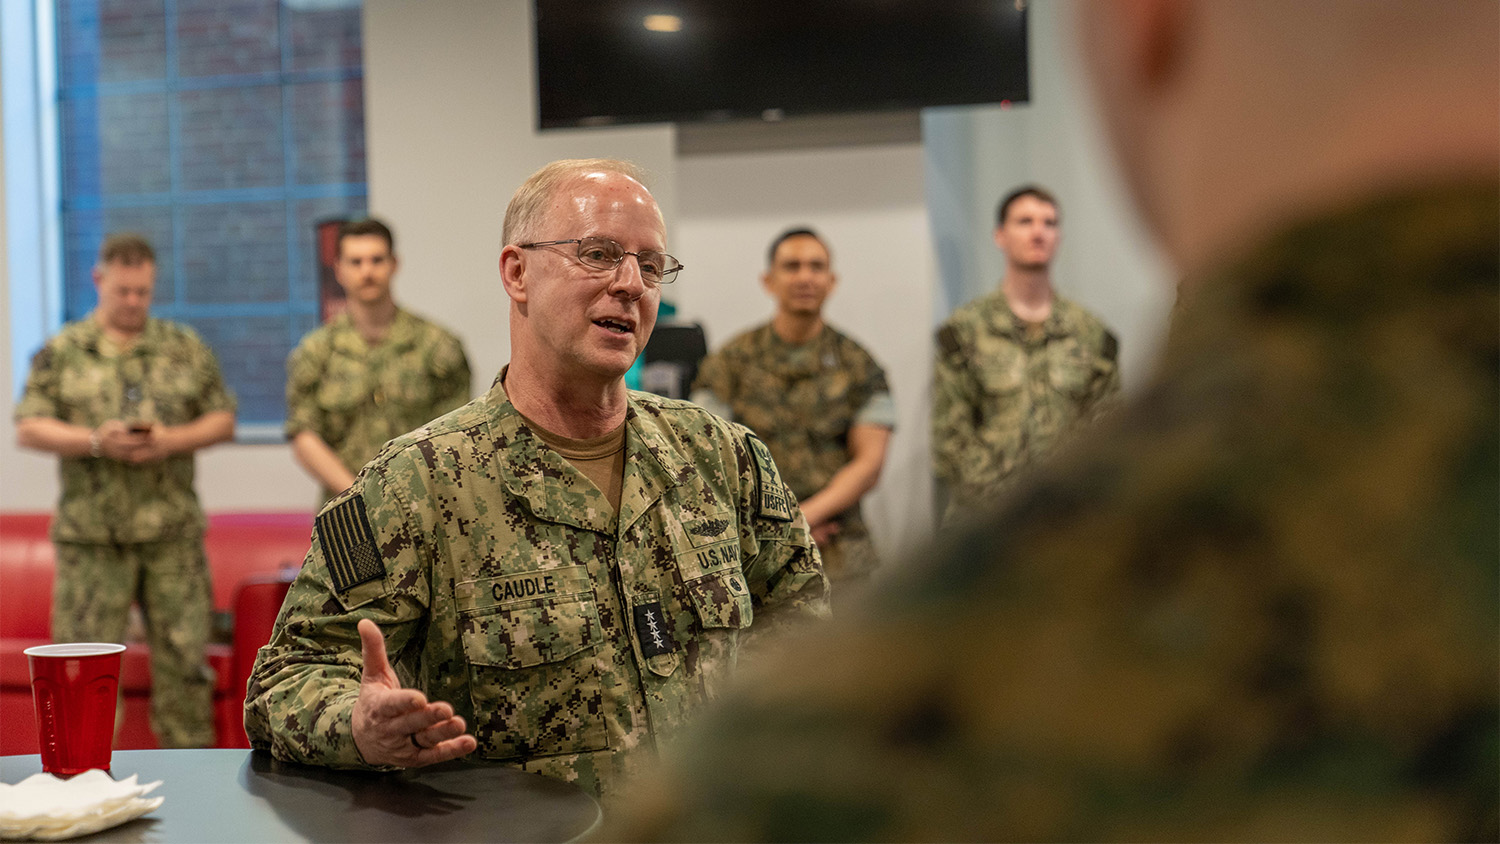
pixel 616 326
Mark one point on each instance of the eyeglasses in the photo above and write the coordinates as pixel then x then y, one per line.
pixel 605 254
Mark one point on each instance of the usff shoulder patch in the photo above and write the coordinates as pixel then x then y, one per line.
pixel 770 493
pixel 349 544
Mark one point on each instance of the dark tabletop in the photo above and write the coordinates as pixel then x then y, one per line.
pixel 243 795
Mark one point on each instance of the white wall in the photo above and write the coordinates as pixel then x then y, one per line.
pixel 449 123
pixel 867 202
pixel 1106 261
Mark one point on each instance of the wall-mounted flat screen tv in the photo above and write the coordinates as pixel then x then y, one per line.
pixel 629 61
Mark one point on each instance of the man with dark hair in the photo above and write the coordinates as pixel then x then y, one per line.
pixel 1018 369
pixel 816 397
pixel 567 568
pixel 1261 601
pixel 125 400
pixel 373 373
pixel 1002 211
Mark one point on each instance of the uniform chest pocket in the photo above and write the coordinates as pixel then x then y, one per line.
pixel 534 679
pixel 89 395
pixel 407 388
pixel 1070 371
pixel 343 395
pixel 708 561
pixel 722 600
pixel 172 393
pixel 1001 375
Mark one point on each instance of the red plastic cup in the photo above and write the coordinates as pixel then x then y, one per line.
pixel 75 686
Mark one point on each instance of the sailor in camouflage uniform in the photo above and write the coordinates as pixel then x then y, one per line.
pixel 125 400
pixel 1019 368
pixel 373 373
pixel 815 396
pixel 1260 602
pixel 562 570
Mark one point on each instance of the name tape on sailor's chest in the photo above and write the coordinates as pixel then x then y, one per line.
pixel 541 585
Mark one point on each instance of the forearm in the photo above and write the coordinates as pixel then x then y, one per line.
pixel 300 703
pixel 213 427
pixel 318 459
pixel 54 435
pixel 855 478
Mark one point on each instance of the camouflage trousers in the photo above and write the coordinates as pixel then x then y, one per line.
pixel 91 598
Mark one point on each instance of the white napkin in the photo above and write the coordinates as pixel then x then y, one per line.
pixel 45 808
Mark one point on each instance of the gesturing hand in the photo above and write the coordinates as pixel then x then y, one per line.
pixel 396 726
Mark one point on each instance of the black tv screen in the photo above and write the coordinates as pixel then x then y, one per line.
pixel 604 63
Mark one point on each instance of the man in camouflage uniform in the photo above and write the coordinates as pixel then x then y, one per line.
pixel 125 400
pixel 565 567
pixel 1260 602
pixel 1019 368
pixel 373 373
pixel 815 396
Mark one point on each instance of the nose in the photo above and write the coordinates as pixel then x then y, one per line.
pixel 627 280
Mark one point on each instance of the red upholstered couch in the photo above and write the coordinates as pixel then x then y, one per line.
pixel 252 556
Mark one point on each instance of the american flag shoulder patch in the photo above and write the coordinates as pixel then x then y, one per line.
pixel 349 544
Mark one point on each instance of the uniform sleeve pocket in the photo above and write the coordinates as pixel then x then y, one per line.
pixel 722 600
pixel 532 633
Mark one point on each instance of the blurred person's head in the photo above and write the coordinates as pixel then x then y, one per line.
pixel 1227 118
pixel 1027 228
pixel 125 279
pixel 799 273
pixel 366 262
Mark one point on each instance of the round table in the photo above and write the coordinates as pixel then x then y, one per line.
pixel 245 795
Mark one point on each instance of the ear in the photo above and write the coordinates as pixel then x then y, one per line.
pixel 513 272
pixel 995 236
pixel 765 283
pixel 98 276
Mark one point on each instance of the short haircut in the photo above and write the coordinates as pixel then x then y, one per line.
pixel 367 226
pixel 529 203
pixel 1024 190
pixel 126 248
pixel 788 235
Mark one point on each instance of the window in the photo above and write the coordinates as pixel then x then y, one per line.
pixel 223 130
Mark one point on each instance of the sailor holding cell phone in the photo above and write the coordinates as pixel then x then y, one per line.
pixel 125 400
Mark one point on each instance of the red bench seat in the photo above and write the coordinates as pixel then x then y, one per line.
pixel 252 558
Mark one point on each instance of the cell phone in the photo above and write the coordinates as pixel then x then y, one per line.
pixel 140 427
